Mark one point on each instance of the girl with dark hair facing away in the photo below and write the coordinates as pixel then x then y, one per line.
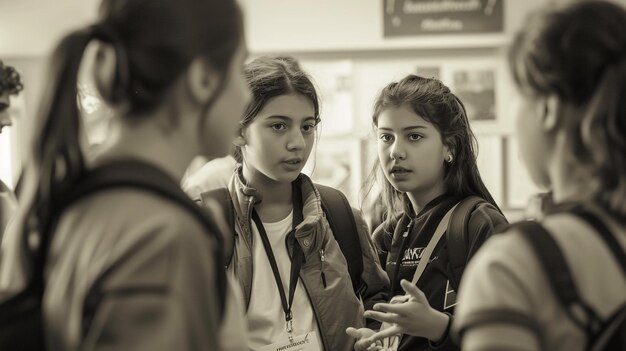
pixel 294 277
pixel 569 65
pixel 426 166
pixel 128 268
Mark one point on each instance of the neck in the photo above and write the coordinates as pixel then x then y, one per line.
pixel 169 151
pixel 568 182
pixel 276 201
pixel 421 198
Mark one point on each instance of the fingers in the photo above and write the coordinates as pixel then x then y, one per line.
pixel 397 308
pixel 400 299
pixel 362 344
pixel 385 333
pixel 382 317
pixel 413 291
pixel 355 333
pixel 360 335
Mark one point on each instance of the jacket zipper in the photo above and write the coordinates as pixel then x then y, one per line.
pixel 249 243
pixel 323 262
pixel 317 316
pixel 313 307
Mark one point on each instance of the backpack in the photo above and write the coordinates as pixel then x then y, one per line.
pixel 609 334
pixel 458 237
pixel 338 214
pixel 21 323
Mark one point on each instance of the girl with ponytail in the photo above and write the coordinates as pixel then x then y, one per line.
pixel 172 73
pixel 569 66
pixel 427 168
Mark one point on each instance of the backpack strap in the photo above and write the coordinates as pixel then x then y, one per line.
pixel 343 225
pixel 559 276
pixel 457 237
pixel 138 175
pixel 605 234
pixel 221 196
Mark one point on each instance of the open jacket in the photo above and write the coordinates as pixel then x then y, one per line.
pixel 335 306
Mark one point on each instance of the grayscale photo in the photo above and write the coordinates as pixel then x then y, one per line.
pixel 297 175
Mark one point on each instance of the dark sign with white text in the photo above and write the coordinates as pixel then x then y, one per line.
pixel 425 17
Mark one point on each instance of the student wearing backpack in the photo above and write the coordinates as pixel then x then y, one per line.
pixel 294 277
pixel 133 264
pixel 555 284
pixel 439 212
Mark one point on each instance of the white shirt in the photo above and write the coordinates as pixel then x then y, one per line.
pixel 266 319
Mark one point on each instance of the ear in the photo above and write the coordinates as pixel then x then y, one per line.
pixel 202 80
pixel 103 70
pixel 448 149
pixel 240 139
pixel 552 110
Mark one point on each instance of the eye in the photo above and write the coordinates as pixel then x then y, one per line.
pixel 309 128
pixel 279 126
pixel 414 137
pixel 385 138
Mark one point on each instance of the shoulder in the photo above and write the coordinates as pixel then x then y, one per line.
pixel 504 274
pixel 214 174
pixel 137 216
pixel 486 217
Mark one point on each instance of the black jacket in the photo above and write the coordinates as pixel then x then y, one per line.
pixel 401 256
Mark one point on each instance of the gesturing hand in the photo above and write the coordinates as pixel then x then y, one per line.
pixel 361 335
pixel 410 314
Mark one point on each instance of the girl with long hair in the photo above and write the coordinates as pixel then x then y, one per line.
pixel 128 268
pixel 426 167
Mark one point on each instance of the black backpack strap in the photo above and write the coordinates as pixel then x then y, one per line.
pixel 221 197
pixel 343 225
pixel 605 234
pixel 457 238
pixel 559 275
pixel 134 174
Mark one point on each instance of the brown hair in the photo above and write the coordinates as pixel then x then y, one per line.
pixel 578 53
pixel 269 77
pixel 432 100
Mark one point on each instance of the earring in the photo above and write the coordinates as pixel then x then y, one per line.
pixel 449 158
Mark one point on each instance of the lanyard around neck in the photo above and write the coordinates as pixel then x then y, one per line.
pixel 296 259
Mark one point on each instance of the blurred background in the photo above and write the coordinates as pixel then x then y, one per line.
pixel 352 48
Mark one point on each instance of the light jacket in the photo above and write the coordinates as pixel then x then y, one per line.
pixel 335 305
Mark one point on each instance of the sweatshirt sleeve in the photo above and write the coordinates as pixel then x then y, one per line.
pixel 495 310
pixel 374 277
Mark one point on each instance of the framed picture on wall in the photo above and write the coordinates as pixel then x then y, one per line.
pixel 481 83
pixel 476 89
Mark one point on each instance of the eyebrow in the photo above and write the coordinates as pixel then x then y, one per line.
pixel 286 118
pixel 405 128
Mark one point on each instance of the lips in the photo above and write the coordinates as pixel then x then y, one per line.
pixel 293 161
pixel 399 170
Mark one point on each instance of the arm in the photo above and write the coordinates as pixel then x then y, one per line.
pixel 374 277
pixel 497 296
pixel 382 238
pixel 485 221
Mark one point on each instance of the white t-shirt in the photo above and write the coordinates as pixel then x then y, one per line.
pixel 266 319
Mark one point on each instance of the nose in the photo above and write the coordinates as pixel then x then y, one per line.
pixel 397 151
pixel 5 119
pixel 296 140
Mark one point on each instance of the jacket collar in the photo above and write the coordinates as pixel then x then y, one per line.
pixel 245 197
